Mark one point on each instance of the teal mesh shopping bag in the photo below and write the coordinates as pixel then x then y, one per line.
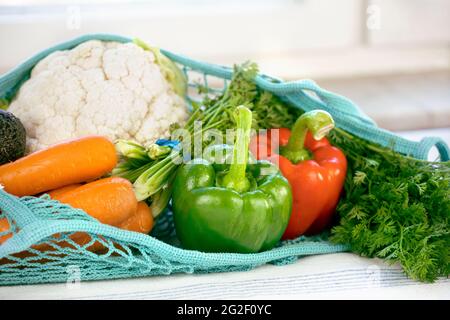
pixel 36 223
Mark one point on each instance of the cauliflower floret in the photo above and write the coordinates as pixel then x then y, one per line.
pixel 106 88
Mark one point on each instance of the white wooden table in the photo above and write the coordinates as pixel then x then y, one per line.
pixel 333 276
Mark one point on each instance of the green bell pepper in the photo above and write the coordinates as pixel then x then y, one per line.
pixel 220 206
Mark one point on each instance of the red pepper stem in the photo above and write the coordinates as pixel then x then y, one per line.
pixel 319 122
pixel 236 178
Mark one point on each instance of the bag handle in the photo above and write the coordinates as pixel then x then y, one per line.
pixel 348 115
pixel 427 143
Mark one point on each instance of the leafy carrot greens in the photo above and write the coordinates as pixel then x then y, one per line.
pixel 395 207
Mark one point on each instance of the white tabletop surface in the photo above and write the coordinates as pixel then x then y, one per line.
pixel 333 276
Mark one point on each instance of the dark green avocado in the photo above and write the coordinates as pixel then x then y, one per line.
pixel 12 137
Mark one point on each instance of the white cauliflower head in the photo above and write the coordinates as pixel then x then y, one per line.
pixel 107 88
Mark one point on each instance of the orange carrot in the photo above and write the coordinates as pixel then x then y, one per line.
pixel 60 191
pixel 109 200
pixel 93 199
pixel 70 162
pixel 4 226
pixel 141 221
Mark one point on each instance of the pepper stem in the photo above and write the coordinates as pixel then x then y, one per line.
pixel 236 178
pixel 319 122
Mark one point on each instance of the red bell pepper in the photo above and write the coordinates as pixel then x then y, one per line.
pixel 315 169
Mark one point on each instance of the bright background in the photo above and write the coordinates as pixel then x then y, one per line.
pixel 392 57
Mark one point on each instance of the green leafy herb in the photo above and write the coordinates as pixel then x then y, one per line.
pixel 395 207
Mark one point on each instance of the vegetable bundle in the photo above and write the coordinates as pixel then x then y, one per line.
pixel 394 207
